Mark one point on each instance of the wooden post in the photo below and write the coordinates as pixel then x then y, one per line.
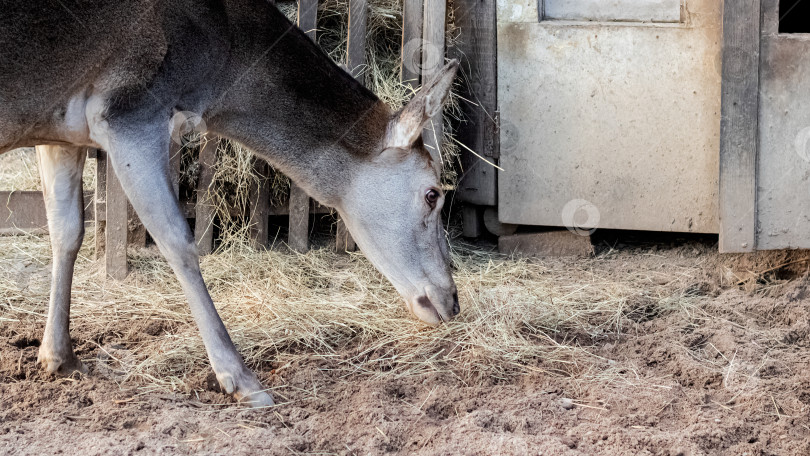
pixel 356 62
pixel 299 201
pixel 299 219
pixel 356 41
pixel 739 126
pixel 260 206
pixel 471 221
pixel 116 229
pixel 308 17
pixel 432 61
pixel 410 70
pixel 477 53
pixel 175 158
pixel 204 221
pixel 100 201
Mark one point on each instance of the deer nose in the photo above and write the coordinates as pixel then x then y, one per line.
pixel 456 307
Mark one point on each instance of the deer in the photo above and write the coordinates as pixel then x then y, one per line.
pixel 110 74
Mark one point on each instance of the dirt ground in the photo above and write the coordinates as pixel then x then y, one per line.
pixel 726 374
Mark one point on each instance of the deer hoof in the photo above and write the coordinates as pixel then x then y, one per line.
pixel 246 389
pixel 61 365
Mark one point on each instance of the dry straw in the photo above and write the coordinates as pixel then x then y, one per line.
pixel 286 309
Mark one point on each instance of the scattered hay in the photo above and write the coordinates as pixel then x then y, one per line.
pixel 518 316
pixel 18 171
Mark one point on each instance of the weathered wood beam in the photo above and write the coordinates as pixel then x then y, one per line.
pixel 260 206
pixel 299 219
pixel 115 248
pixel 100 201
pixel 356 64
pixel 739 126
pixel 477 53
pixel 204 209
pixel 433 33
pixel 299 201
pixel 411 66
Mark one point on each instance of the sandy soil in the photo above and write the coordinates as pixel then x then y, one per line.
pixel 728 374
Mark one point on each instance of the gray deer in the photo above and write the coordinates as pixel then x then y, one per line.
pixel 111 74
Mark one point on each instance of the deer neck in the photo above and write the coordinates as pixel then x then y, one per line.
pixel 284 98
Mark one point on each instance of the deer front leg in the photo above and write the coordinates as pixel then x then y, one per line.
pixel 142 163
pixel 61 171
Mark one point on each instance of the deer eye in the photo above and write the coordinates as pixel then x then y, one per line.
pixel 431 196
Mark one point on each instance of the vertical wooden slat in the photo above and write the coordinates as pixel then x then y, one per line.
pixel 432 61
pixel 136 232
pixel 299 200
pixel 410 71
pixel 100 201
pixel 739 126
pixel 477 54
pixel 204 221
pixel 299 219
pixel 115 249
pixel 308 17
pixel 356 62
pixel 343 239
pixel 175 157
pixel 471 222
pixel 356 41
pixel 260 206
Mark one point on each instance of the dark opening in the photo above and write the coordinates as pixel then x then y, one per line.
pixel 794 16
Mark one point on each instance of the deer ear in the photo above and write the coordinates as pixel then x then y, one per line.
pixel 406 126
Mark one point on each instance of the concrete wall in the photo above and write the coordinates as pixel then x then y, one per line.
pixel 610 124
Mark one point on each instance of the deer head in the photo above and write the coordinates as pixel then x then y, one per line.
pixel 393 205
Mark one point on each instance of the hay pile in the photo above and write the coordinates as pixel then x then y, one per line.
pixel 18 171
pixel 282 309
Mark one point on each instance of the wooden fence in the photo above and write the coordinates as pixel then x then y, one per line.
pixel 116 225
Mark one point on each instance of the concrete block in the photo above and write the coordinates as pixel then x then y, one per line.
pixel 551 243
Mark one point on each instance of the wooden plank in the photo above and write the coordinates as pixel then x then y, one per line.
pixel 356 64
pixel 22 212
pixel 343 239
pixel 299 219
pixel 204 208
pixel 411 67
pixel 136 232
pixel 100 202
pixel 308 17
pixel 471 221
pixel 549 244
pixel 739 125
pixel 175 160
pixel 356 41
pixel 260 206
pixel 299 204
pixel 433 33
pixel 115 249
pixel 477 53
